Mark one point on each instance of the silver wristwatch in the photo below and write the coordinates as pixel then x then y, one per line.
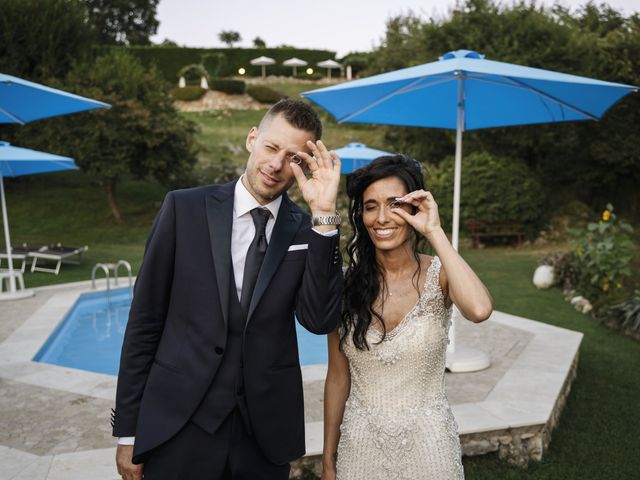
pixel 328 220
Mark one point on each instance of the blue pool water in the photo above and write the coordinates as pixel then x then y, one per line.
pixel 90 336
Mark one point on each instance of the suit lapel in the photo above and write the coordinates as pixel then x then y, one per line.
pixel 219 205
pixel 287 224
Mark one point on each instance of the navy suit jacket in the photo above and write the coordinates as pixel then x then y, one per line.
pixel 177 328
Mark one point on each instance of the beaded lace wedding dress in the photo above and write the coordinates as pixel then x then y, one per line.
pixel 397 421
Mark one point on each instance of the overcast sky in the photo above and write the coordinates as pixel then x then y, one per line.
pixel 339 25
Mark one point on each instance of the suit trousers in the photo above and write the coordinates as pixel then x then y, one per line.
pixel 230 453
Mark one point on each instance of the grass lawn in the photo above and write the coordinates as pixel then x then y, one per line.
pixel 597 435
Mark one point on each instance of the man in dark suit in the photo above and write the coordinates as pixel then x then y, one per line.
pixel 210 384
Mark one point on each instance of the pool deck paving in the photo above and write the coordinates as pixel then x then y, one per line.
pixel 55 420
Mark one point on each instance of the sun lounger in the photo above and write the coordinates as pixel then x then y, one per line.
pixel 56 253
pixel 20 254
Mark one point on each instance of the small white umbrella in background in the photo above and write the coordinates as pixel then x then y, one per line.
pixel 263 62
pixel 329 64
pixel 294 62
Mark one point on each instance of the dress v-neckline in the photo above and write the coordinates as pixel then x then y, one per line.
pixel 392 333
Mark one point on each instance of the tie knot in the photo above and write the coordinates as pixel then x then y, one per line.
pixel 260 217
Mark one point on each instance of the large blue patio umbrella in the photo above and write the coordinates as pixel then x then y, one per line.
pixel 16 162
pixel 22 101
pixel 464 91
pixel 356 155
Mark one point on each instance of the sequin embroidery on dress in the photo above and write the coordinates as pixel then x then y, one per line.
pixel 398 423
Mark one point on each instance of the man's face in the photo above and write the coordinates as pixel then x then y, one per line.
pixel 271 147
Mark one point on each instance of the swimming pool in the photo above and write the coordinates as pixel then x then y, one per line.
pixel 90 335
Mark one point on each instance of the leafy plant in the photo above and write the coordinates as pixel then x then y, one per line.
pixel 625 314
pixel 603 253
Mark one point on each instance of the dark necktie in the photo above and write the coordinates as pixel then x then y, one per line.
pixel 255 255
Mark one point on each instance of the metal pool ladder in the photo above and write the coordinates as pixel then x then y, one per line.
pixel 111 267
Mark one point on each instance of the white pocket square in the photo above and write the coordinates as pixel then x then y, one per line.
pixel 300 246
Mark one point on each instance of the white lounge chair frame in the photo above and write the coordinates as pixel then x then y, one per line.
pixel 57 256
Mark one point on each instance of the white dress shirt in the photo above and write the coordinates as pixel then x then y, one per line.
pixel 242 232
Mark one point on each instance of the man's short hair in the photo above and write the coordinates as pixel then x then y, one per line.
pixel 298 114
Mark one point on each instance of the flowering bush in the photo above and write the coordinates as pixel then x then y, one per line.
pixel 603 252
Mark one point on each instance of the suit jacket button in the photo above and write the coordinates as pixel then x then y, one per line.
pixel 219 350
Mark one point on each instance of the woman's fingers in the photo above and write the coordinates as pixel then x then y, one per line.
pixel 406 216
pixel 416 198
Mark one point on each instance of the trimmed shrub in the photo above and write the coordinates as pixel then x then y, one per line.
pixel 188 94
pixel 228 86
pixel 493 190
pixel 214 63
pixel 264 94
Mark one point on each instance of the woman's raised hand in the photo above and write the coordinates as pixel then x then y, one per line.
pixel 426 220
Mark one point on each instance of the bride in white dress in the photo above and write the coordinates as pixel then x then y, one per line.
pixel 386 413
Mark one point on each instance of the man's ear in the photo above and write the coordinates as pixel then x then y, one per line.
pixel 251 138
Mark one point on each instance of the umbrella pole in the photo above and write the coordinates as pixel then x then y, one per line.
pixel 7 241
pixel 11 275
pixel 460 359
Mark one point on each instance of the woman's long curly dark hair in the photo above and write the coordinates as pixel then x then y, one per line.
pixel 364 279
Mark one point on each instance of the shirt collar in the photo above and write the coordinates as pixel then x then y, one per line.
pixel 244 202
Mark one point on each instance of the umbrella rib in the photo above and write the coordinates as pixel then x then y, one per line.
pixel 426 85
pixel 519 84
pixel 399 91
pixel 12 117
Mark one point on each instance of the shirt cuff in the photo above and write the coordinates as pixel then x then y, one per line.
pixel 126 440
pixel 331 233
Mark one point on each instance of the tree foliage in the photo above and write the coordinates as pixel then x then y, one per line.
pixel 259 43
pixel 595 162
pixel 142 134
pixel 229 37
pixel 123 22
pixel 40 40
pixel 493 190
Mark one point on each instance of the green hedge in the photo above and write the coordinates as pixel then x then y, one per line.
pixel 264 94
pixel 188 94
pixel 170 60
pixel 493 190
pixel 228 86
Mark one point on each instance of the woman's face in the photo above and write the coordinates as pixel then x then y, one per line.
pixel 386 229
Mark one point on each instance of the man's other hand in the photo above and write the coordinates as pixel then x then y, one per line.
pixel 126 468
